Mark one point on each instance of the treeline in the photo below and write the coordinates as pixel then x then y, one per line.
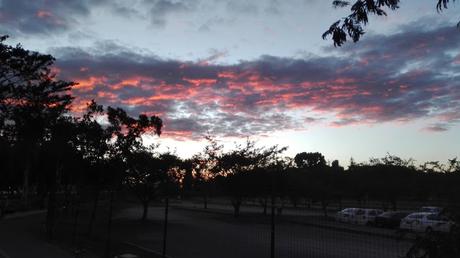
pixel 45 149
pixel 248 172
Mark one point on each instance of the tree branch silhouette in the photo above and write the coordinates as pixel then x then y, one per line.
pixel 352 26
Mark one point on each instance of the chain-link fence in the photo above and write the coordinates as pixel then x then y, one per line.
pixel 306 229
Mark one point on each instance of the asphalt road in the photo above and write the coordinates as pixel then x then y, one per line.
pixel 24 237
pixel 193 234
pixel 198 234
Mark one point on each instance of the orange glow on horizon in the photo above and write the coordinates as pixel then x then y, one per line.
pixel 44 14
pixel 199 82
pixel 89 83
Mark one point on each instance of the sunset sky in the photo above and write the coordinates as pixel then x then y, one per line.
pixel 259 68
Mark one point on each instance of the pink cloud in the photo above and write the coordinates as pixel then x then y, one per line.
pixel 397 82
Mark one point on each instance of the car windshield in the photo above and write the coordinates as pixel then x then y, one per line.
pixel 359 212
pixel 437 217
pixel 415 216
pixel 431 209
pixel 400 214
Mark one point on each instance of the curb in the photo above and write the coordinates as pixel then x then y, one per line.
pixel 4 254
pixel 223 212
pixel 18 215
pixel 350 230
pixel 343 229
pixel 145 249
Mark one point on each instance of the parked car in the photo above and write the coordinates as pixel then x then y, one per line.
pixel 426 222
pixel 9 202
pixel 366 216
pixel 3 204
pixel 432 209
pixel 390 219
pixel 346 215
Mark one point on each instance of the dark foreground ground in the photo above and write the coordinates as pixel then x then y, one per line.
pixel 192 233
pixel 199 234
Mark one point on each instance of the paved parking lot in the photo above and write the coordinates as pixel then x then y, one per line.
pixel 197 233
pixel 206 234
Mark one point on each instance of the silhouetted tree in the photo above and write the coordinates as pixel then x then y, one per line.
pixel 92 143
pixel 206 168
pixel 352 25
pixel 453 166
pixel 187 167
pixel 144 177
pixel 60 150
pixel 128 130
pixel 309 160
pixel 235 165
pixel 143 171
pixel 383 182
pixel 31 100
pixel 432 167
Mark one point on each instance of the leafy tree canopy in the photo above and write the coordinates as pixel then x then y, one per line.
pixel 31 98
pixel 352 25
pixel 309 160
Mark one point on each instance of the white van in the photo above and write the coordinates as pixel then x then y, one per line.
pixel 347 215
pixel 366 216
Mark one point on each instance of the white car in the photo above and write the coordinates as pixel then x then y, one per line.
pixel 347 215
pixel 426 222
pixel 366 216
pixel 431 209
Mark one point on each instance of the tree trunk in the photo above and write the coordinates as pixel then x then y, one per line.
pixel 279 210
pixel 145 207
pixel 324 205
pixel 165 227
pixel 384 206
pixel 236 203
pixel 272 225
pixel 66 200
pixel 109 226
pixel 205 201
pixel 25 186
pixel 236 212
pixel 50 214
pixel 295 202
pixel 75 224
pixel 93 212
pixel 264 205
pixel 393 204
pixel 307 203
pixel 30 157
pixel 51 211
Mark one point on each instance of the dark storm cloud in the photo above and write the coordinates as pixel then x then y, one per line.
pixel 160 9
pixel 403 77
pixel 436 127
pixel 43 16
pixel 215 21
pixel 242 7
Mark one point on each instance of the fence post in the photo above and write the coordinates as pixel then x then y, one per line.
pixel 272 231
pixel 165 226
pixel 272 240
pixel 75 222
pixel 109 225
